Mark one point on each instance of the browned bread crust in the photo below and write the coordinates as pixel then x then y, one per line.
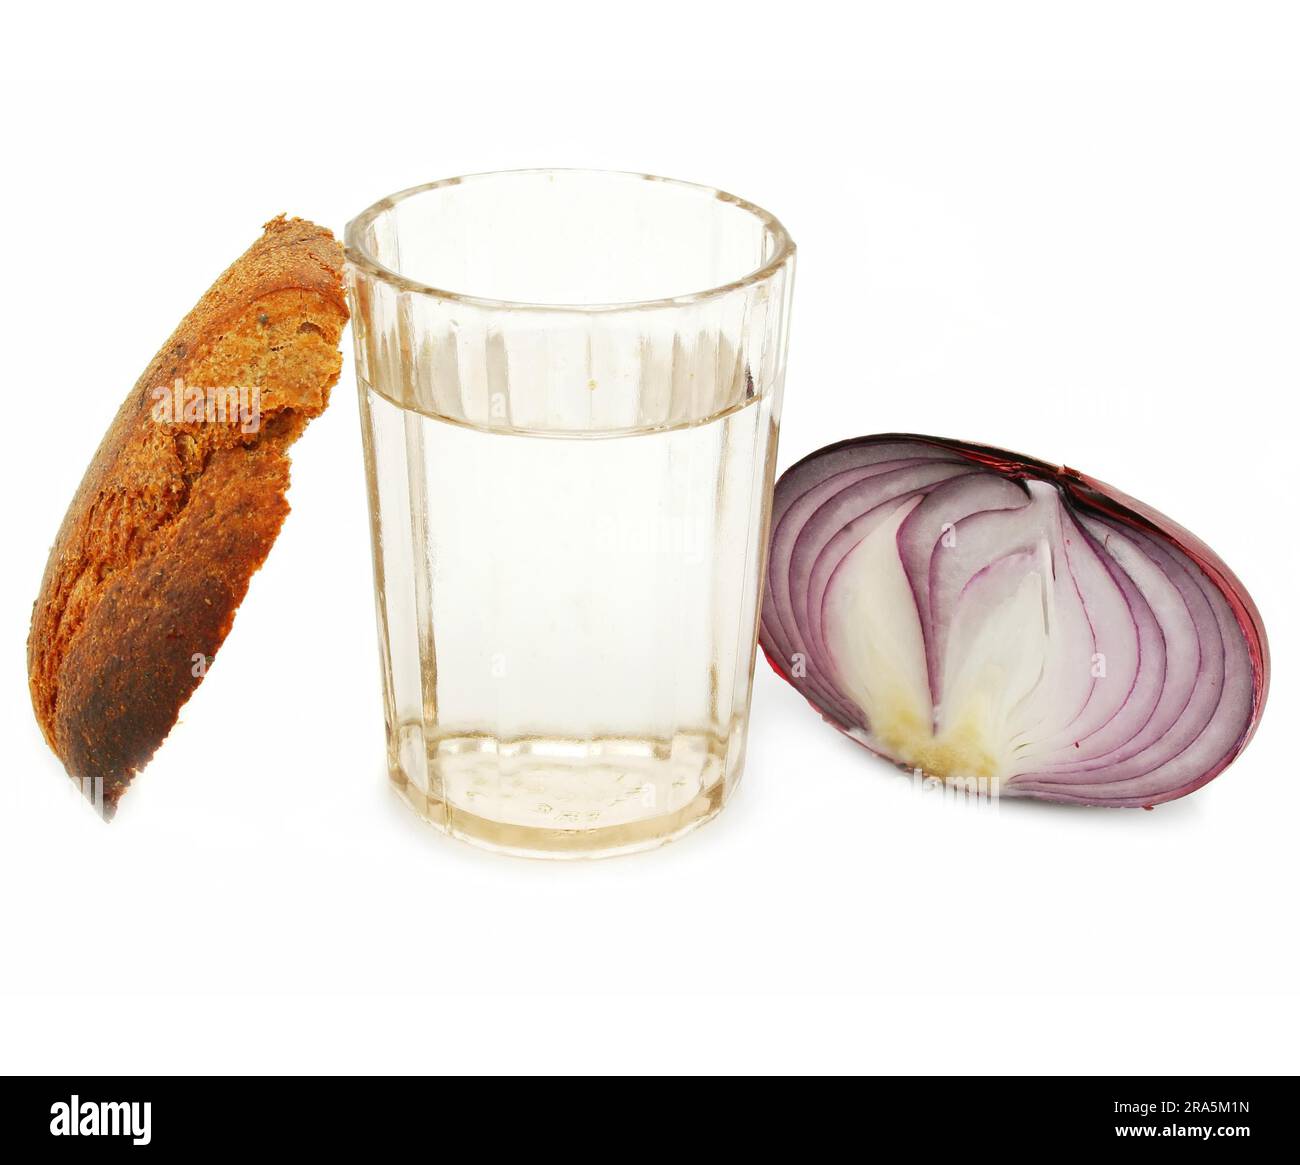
pixel 175 513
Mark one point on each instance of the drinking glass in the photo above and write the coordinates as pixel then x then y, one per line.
pixel 570 383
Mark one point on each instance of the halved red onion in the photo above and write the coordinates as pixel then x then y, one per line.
pixel 975 614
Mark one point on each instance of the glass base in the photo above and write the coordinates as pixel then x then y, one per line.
pixel 549 798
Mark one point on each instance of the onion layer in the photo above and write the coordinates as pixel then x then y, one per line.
pixel 979 615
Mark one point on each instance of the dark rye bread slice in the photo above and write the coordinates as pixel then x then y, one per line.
pixel 177 510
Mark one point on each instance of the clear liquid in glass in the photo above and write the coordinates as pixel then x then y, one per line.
pixel 569 626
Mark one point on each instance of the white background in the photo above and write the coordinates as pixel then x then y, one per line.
pixel 1069 231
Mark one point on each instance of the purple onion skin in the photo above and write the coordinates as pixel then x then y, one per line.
pixel 1083 496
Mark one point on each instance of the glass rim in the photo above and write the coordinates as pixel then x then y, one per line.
pixel 359 256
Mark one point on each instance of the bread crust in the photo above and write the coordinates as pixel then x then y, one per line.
pixel 175 513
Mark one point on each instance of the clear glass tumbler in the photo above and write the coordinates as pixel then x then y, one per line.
pixel 570 382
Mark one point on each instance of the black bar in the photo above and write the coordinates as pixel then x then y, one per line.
pixel 339 1114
